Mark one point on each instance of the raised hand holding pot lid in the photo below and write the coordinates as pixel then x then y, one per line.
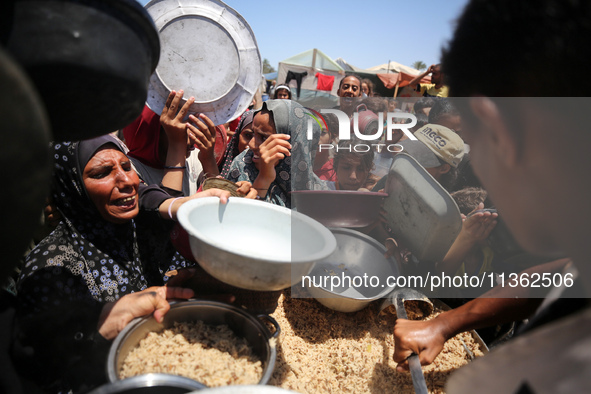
pixel 210 52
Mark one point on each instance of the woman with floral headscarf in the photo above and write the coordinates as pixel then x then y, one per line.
pixel 91 276
pixel 280 156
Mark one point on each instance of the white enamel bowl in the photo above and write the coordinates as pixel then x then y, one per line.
pixel 252 244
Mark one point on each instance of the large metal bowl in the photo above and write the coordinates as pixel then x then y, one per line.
pixel 356 256
pixel 339 208
pixel 253 244
pixel 242 323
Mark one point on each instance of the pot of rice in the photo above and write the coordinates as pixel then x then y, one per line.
pixel 213 343
pixel 152 383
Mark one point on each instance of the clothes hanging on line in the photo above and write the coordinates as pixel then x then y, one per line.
pixel 325 82
pixel 298 78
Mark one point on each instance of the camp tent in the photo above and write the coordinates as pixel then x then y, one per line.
pixel 395 67
pixel 395 76
pixel 389 79
pixel 312 62
pixel 348 67
pixel 400 80
pixel 364 74
pixel 270 76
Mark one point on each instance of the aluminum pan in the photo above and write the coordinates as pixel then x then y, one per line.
pixel 356 254
pixel 209 51
pixel 420 212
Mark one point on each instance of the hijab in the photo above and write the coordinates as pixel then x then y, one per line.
pixel 232 148
pixel 70 275
pixel 104 254
pixel 294 172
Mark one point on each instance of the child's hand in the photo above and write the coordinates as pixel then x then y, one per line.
pixel 272 151
pixel 275 148
pixel 246 188
pixel 392 249
pixel 202 133
pixel 478 225
pixel 171 118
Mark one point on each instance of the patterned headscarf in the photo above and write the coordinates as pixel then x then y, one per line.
pixel 232 148
pixel 70 276
pixel 102 254
pixel 292 119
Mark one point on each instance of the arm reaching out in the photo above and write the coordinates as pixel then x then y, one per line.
pixel 497 306
pixel 475 229
pixel 116 315
pixel 202 132
pixel 169 208
pixel 172 121
pixel 415 81
pixel 274 149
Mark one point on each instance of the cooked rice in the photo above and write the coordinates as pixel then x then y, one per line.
pixel 212 355
pixel 324 351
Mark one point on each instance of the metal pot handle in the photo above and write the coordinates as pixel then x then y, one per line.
pixel 361 107
pixel 273 322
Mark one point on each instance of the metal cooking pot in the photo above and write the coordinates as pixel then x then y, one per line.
pixel 90 60
pixel 247 390
pixel 152 383
pixel 241 322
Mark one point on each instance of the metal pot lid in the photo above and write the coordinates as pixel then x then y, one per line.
pixel 209 51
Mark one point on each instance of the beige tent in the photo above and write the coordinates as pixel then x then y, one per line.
pixel 349 67
pixel 312 61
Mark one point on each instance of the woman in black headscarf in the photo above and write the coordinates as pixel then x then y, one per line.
pixel 238 143
pixel 92 275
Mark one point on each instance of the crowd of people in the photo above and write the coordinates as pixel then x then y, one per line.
pixel 108 256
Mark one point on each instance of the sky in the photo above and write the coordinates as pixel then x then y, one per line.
pixel 365 33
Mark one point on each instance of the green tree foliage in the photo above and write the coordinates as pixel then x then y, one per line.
pixel 267 68
pixel 419 65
